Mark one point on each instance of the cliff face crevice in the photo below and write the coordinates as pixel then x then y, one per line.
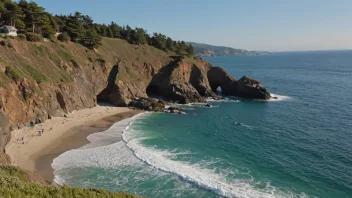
pixel 61 101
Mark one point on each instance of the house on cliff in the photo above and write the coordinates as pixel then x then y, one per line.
pixel 8 31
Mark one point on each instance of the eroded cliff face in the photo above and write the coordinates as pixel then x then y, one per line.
pixel 182 81
pixel 42 80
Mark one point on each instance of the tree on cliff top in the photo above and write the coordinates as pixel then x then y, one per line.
pixel 138 36
pixel 12 14
pixel 29 16
pixel 190 50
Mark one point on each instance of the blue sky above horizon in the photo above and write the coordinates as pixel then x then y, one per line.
pixel 272 25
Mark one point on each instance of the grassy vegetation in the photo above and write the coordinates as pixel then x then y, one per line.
pixel 12 73
pixel 14 183
pixel 53 63
pixel 34 73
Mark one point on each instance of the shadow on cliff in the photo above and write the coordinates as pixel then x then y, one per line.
pixel 106 97
pixel 160 86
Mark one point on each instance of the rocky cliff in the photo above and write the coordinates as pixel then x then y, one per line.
pixel 41 80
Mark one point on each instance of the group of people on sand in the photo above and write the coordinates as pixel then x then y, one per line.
pixel 40 132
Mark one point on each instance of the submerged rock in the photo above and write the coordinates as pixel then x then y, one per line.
pixel 208 105
pixel 174 110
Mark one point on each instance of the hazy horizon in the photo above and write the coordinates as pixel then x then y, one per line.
pixel 270 25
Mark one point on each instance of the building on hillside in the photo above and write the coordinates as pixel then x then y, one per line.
pixel 57 34
pixel 8 31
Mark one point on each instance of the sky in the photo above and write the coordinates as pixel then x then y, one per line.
pixel 271 25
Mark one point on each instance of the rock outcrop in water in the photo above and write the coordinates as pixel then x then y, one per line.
pixel 147 104
pixel 245 87
pixel 250 88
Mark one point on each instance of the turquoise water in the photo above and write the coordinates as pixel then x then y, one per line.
pixel 298 146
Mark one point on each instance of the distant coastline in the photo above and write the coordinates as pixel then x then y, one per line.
pixel 205 50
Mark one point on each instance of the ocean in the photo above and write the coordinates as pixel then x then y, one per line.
pixel 297 146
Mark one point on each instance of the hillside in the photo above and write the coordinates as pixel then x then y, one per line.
pixel 211 50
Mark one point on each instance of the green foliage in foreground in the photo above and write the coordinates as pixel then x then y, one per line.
pixel 14 183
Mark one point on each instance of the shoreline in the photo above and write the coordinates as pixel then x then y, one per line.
pixel 36 153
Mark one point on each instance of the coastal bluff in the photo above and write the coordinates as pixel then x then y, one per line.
pixel 41 80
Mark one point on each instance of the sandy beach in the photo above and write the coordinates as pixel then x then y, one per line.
pixel 35 152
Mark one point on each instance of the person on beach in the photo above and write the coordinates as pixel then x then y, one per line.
pixel 40 132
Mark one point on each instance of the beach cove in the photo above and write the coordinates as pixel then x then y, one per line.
pixel 61 134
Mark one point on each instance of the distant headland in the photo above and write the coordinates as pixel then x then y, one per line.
pixel 201 49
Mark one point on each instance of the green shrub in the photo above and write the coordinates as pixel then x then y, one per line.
pixel 10 45
pixel 14 183
pixel 64 37
pixel 11 37
pixel 14 172
pixel 11 73
pixel 53 39
pixel 34 73
pixel 21 37
pixel 34 37
pixel 101 61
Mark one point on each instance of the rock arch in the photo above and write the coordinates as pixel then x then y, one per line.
pixel 218 77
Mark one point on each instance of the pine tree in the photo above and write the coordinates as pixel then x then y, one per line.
pixel 2 8
pixel 190 50
pixel 170 44
pixel 13 14
pixel 159 41
pixel 91 40
pixel 35 16
pixel 110 33
pixel 140 38
pixel 116 30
